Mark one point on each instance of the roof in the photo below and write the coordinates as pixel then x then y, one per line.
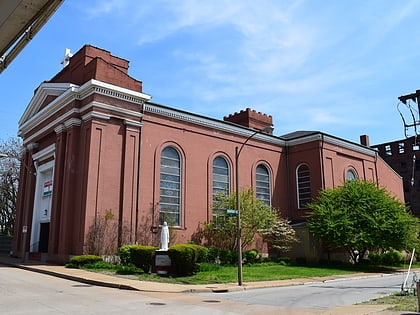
pixel 299 134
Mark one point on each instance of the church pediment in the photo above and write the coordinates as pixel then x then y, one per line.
pixel 44 95
pixel 50 98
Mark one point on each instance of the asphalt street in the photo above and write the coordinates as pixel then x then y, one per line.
pixel 319 295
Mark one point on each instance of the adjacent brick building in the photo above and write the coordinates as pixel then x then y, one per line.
pixel 404 155
pixel 96 147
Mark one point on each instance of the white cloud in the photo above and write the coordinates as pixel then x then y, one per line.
pixel 282 57
pixel 101 8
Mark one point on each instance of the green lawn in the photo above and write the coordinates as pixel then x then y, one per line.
pixel 407 303
pixel 212 273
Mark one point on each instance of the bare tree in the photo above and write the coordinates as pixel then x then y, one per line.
pixel 9 181
pixel 106 234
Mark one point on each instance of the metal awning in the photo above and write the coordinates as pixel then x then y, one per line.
pixel 20 20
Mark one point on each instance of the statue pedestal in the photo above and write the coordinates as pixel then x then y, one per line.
pixel 162 262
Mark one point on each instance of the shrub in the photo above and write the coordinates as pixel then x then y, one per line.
pixel 251 256
pixel 128 270
pixel 142 256
pixel 301 260
pixel 100 265
pixel 125 255
pixel 78 261
pixel 225 256
pixel 201 253
pixel 212 254
pixel 392 258
pixel 233 257
pixel 375 259
pixel 284 260
pixel 228 257
pixel 185 258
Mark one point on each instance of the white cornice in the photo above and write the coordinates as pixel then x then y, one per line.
pixel 51 125
pixel 66 93
pixel 229 128
pixel 349 145
pixel 95 115
pixel 44 153
pixel 44 90
pixel 33 115
pixel 59 129
pixel 99 87
pixel 132 123
pixel 72 122
pixel 210 123
pixel 117 110
pixel 331 140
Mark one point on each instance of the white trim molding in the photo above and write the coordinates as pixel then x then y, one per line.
pixel 44 153
pixel 34 115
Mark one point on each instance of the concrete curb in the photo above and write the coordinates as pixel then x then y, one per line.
pixel 113 281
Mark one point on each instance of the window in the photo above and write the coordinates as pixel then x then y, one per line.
pixel 351 174
pixel 262 184
pixel 170 187
pixel 401 148
pixel 388 151
pixel 221 176
pixel 303 185
pixel 221 186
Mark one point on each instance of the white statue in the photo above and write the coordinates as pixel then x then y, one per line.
pixel 164 237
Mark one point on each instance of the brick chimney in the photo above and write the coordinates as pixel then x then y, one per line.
pixel 95 63
pixel 251 119
pixel 364 140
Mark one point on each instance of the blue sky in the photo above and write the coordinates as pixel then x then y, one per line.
pixel 333 66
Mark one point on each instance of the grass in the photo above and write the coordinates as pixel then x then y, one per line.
pixel 213 273
pixel 406 303
pixel 258 272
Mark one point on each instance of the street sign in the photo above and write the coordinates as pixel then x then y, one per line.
pixel 232 212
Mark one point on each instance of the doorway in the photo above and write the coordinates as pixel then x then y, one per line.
pixel 44 235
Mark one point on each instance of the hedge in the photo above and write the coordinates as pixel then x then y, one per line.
pixel 185 258
pixel 138 255
pixel 78 261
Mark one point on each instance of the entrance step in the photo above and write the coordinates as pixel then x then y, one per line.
pixel 35 256
pixel 5 244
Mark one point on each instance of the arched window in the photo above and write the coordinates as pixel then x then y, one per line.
pixel 221 186
pixel 303 176
pixel 221 178
pixel 351 174
pixel 170 187
pixel 263 184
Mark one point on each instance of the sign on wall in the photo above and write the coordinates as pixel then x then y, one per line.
pixel 47 189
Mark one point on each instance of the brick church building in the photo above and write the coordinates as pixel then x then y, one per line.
pixel 96 148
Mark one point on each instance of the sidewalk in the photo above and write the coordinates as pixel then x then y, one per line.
pixel 100 279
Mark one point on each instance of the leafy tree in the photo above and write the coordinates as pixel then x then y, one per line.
pixel 359 216
pixel 255 216
pixel 280 235
pixel 9 182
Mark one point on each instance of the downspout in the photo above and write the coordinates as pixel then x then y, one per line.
pixel 138 189
pixel 322 161
pixel 376 169
pixel 122 185
pixel 138 179
pixel 289 210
